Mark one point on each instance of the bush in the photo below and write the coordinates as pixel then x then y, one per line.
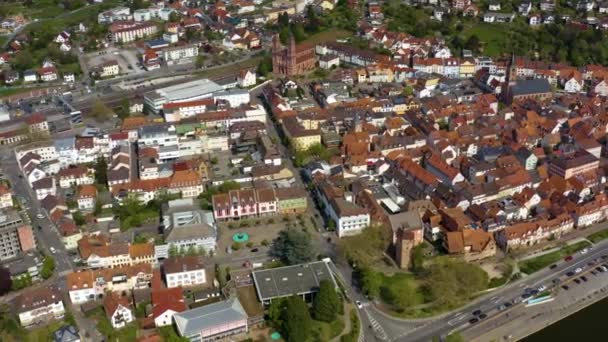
pixel 270 221
pixel 265 243
pixel 249 244
pixel 236 246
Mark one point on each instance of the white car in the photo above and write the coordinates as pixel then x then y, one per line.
pixel 40 216
pixel 578 270
pixel 542 288
pixel 52 249
pixel 584 251
pixel 359 304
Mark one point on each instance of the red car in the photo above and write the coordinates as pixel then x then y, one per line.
pixel 568 258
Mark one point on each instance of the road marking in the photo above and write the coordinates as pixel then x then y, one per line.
pixel 378 329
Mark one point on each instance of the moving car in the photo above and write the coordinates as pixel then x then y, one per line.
pixel 53 250
pixel 39 216
pixel 359 304
pixel 476 312
pixel 473 320
pixel 584 251
pixel 482 316
pixel 570 274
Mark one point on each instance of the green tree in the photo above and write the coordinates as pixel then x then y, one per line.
pixel 265 66
pixel 293 246
pixel 327 303
pixel 450 281
pixel 100 112
pixel 473 44
pixel 370 282
pixel 418 258
pixel 200 61
pixel 275 312
pixel 48 266
pixel 79 218
pixel 297 324
pixel 191 250
pixel 124 110
pixel 298 32
pixel 173 250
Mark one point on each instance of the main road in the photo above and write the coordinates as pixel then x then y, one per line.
pixel 393 329
pixel 45 232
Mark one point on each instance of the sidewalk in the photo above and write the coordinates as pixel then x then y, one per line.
pixel 347 325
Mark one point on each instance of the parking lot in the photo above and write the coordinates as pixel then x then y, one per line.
pixel 127 60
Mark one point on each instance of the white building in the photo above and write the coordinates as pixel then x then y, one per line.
pixel 39 306
pixel 118 310
pixel 236 97
pixel 184 271
pixel 185 92
pixel 179 54
pixel 246 78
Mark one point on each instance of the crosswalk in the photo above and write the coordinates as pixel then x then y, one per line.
pixel 378 329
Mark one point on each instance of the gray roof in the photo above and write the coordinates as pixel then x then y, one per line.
pixel 66 333
pixel 290 280
pixel 534 86
pixel 192 322
pixel 190 232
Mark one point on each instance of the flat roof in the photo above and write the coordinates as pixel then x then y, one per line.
pixel 289 280
pixel 212 316
pixel 189 90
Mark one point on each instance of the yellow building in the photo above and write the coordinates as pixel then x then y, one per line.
pixel 467 68
pixel 300 138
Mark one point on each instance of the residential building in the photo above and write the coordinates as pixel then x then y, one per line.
pixel 6 197
pixel 118 310
pixel 128 31
pixel 179 54
pixel 165 304
pixel 38 306
pixel 184 271
pixel 15 235
pixel 86 197
pixel 185 225
pixel 86 285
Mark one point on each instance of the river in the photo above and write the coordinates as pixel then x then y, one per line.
pixel 585 325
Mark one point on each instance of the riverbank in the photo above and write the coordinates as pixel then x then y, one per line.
pixel 522 321
pixel 585 325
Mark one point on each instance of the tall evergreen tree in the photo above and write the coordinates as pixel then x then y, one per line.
pixel 327 302
pixel 297 324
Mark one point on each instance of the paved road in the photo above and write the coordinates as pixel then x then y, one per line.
pixel 488 303
pixel 522 321
pixel 47 236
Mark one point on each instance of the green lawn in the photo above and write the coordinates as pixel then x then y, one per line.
pixel 44 333
pixel 535 264
pixel 125 334
pixel 599 236
pixel 492 36
pixel 326 331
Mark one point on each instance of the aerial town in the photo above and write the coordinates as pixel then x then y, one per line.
pixel 301 170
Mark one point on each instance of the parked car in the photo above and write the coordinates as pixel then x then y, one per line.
pixel 53 250
pixel 476 312
pixel 568 258
pixel 584 251
pixel 578 281
pixel 483 316
pixel 553 266
pixel 565 287
pixel 578 270
pixel 473 320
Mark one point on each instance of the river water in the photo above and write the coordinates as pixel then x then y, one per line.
pixel 585 325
